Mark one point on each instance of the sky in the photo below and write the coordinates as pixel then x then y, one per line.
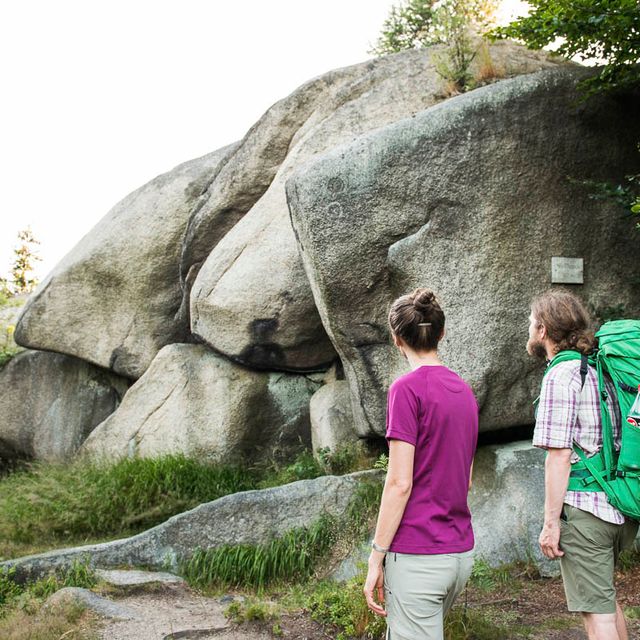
pixel 100 97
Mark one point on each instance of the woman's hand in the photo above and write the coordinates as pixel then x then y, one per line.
pixel 374 584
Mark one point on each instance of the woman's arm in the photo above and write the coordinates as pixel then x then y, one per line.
pixel 396 492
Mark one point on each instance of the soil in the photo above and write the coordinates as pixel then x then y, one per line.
pixel 179 612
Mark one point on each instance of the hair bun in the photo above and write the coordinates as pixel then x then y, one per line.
pixel 423 299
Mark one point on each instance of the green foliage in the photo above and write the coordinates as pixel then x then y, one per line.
pixel 454 63
pixel 626 196
pixel 45 503
pixel 488 578
pixel 78 574
pixel 24 257
pixel 249 611
pixel 629 559
pixel 346 459
pixel 293 556
pixel 24 617
pixel 304 467
pixel 608 30
pixel 415 24
pixel 409 26
pixel 9 589
pixel 610 312
pixel 382 462
pixel 7 347
pixel 33 620
pixel 343 605
pixel 421 23
pixel 474 624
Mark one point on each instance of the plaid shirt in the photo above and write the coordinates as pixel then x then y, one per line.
pixel 568 414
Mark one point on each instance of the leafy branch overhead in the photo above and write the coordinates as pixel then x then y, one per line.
pixel 607 31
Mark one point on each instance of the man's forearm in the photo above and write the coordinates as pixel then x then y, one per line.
pixel 556 479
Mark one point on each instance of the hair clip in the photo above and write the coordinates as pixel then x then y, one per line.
pixel 424 324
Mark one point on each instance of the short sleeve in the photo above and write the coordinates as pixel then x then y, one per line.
pixel 558 408
pixel 402 413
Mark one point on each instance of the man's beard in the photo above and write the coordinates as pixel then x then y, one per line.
pixel 536 349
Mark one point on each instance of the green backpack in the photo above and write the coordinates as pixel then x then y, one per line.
pixel 615 473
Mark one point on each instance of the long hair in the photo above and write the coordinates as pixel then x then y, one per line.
pixel 566 320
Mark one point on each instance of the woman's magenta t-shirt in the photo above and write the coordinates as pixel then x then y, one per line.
pixel 435 410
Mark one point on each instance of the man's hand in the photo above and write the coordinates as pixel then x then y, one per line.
pixel 374 585
pixel 550 540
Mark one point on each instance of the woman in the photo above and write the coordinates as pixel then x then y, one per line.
pixel 423 537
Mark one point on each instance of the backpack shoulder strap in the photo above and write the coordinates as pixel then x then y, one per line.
pixel 584 367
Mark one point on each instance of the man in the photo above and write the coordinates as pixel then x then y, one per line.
pixel 580 528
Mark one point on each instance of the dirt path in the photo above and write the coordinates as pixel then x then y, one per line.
pixel 532 608
pixel 175 612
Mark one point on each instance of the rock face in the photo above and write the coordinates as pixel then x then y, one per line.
pixel 251 517
pixel 54 403
pixel 196 402
pixel 115 299
pixel 102 606
pixel 331 417
pixel 251 299
pixel 471 198
pixel 507 505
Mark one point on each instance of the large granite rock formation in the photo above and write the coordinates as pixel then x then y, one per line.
pixel 472 198
pixel 51 403
pixel 114 299
pixel 251 299
pixel 195 402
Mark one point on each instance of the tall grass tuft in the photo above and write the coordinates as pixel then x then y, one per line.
pixel 293 556
pixel 47 503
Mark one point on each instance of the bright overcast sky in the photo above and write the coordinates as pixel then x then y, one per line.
pixel 99 97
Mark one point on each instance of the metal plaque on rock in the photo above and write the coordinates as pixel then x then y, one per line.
pixel 567 270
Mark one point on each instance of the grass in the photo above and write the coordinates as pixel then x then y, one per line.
pixel 48 504
pixel 488 578
pixel 77 575
pixel 23 615
pixel 43 506
pixel 34 621
pixel 291 557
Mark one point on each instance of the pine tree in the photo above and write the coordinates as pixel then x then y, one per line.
pixel 25 255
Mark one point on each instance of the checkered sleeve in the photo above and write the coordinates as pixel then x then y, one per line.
pixel 558 408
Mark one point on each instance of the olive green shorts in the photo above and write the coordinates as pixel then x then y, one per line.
pixel 591 548
pixel 420 589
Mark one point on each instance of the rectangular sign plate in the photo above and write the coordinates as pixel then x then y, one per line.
pixel 567 270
